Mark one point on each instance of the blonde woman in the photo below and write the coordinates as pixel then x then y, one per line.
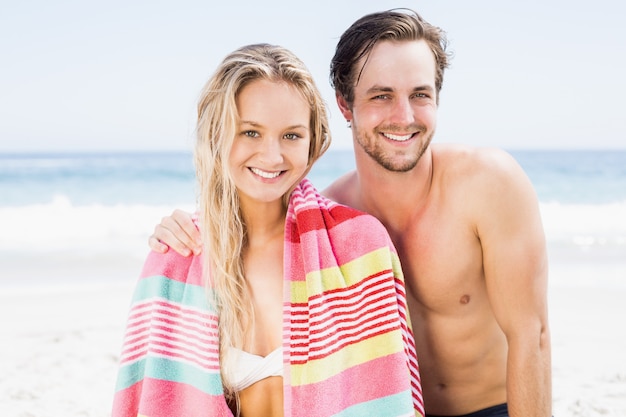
pixel 297 306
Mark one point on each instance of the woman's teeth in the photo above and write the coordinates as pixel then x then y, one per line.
pixel 265 174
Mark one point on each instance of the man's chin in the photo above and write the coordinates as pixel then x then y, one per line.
pixel 395 164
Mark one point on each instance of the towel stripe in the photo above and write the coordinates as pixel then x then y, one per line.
pixel 153 397
pixel 351 356
pixel 320 329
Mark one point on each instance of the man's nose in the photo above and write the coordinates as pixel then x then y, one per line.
pixel 402 112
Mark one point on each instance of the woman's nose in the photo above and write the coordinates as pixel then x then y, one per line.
pixel 271 152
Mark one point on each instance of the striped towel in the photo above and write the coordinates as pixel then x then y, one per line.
pixel 347 345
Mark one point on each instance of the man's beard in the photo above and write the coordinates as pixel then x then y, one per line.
pixel 377 153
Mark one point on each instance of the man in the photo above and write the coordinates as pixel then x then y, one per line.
pixel 465 222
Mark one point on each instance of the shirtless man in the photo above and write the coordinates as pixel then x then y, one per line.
pixel 465 222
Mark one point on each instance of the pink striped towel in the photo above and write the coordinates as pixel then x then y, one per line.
pixel 347 345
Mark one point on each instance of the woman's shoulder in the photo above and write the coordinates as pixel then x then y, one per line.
pixel 174 267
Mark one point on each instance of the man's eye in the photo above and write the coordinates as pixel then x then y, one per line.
pixel 422 95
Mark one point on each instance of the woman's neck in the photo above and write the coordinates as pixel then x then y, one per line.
pixel 264 222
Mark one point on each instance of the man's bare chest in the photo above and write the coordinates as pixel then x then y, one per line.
pixel 442 261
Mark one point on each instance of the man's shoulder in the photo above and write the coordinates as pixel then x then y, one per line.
pixel 481 177
pixel 339 190
pixel 470 153
pixel 476 176
pixel 465 160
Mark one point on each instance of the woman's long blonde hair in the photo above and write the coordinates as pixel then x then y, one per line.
pixel 221 223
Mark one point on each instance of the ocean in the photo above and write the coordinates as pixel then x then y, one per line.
pixel 71 204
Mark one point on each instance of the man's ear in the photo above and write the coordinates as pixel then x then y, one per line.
pixel 343 107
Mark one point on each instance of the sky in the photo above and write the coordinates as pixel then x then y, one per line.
pixel 124 75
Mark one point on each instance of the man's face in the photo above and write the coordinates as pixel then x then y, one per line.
pixel 395 104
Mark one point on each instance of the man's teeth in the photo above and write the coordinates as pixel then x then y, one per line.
pixel 397 137
pixel 265 174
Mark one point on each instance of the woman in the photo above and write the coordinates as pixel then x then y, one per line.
pixel 298 307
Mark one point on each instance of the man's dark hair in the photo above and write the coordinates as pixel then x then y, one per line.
pixel 395 25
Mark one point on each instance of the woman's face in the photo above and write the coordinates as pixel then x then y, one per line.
pixel 270 151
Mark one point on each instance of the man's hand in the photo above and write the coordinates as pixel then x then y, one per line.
pixel 178 232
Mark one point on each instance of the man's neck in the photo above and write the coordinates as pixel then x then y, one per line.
pixel 393 197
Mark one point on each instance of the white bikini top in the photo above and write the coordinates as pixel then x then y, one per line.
pixel 250 368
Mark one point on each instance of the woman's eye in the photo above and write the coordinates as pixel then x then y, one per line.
pixel 251 133
pixel 292 136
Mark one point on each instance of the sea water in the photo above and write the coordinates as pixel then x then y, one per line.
pixel 107 202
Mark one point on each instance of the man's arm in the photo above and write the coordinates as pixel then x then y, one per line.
pixel 516 272
pixel 178 232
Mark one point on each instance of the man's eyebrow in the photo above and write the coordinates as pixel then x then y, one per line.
pixel 426 87
pixel 379 89
pixel 383 89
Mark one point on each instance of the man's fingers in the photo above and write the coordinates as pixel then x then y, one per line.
pixel 170 233
pixel 161 245
pixel 184 220
pixel 156 245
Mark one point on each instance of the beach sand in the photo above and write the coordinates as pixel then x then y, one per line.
pixel 588 344
pixel 60 344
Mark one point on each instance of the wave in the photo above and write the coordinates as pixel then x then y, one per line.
pixel 585 223
pixel 586 243
pixel 61 223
